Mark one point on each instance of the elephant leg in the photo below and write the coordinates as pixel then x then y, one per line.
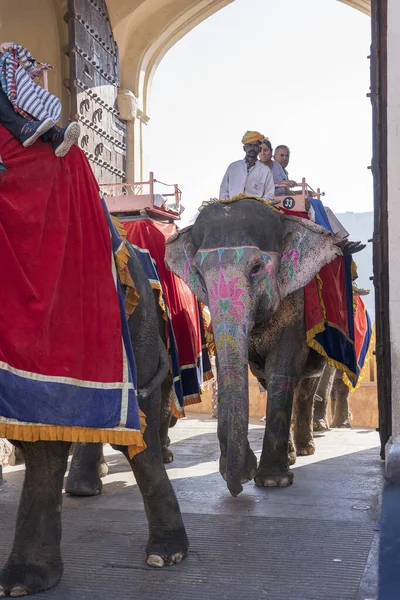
pixel 291 449
pixel 303 427
pixel 35 563
pixel 340 403
pixel 165 419
pixel 321 399
pixel 87 465
pixel 168 543
pixel 282 372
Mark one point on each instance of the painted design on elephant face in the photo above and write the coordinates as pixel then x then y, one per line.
pixel 225 298
pixel 290 264
pixel 228 299
pixel 267 275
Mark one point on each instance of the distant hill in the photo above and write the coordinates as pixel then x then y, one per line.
pixel 361 227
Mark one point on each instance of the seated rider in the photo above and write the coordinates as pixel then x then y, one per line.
pixel 248 176
pixel 27 110
pixel 282 156
pixel 281 181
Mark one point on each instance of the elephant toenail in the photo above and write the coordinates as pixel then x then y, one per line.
pixel 177 558
pixel 18 591
pixel 154 560
pixel 2 592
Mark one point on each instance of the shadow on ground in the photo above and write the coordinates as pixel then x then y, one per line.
pixel 308 542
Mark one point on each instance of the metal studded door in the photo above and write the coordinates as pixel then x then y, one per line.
pixel 94 80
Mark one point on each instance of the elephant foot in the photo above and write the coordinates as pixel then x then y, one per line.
pixel 84 484
pixel 163 553
pixel 305 450
pixel 24 579
pixel 320 425
pixel 274 476
pixel 250 466
pixel 167 455
pixel 343 424
pixel 103 468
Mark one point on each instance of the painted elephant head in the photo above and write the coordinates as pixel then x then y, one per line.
pixel 241 259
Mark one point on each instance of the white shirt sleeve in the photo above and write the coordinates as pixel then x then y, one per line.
pixel 224 189
pixel 269 188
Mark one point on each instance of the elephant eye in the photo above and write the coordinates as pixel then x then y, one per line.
pixel 255 269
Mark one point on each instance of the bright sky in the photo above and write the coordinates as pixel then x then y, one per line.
pixel 295 70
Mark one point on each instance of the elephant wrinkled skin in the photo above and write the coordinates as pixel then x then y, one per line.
pixel 249 264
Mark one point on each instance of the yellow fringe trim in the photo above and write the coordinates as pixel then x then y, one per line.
pixel 207 376
pixel 58 433
pixel 121 259
pixel 192 400
pixel 179 414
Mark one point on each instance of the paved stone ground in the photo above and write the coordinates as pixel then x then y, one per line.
pixel 314 540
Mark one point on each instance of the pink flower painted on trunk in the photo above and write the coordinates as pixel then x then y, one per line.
pixel 225 298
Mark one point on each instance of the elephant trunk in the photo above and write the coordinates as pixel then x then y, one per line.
pixel 233 405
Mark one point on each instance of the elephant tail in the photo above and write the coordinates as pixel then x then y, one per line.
pixel 160 375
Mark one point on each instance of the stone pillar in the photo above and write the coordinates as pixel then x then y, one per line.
pixel 136 121
pixel 128 109
pixel 143 167
pixel 393 148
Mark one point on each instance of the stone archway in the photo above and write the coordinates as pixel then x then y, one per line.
pixel 144 30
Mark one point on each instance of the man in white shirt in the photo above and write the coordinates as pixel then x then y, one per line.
pixel 249 176
pixel 282 156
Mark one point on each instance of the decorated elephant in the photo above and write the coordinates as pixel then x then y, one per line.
pixel 249 263
pixel 82 356
pixel 47 461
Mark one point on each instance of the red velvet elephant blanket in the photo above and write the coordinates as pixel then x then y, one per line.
pixel 67 370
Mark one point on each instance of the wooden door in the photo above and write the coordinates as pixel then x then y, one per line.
pixel 380 239
pixel 94 81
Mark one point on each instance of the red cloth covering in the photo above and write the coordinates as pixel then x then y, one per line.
pixel 362 328
pixel 325 299
pixel 59 311
pixel 181 302
pixel 327 310
pixel 360 325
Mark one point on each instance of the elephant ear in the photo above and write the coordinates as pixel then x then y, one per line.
pixel 179 254
pixel 307 247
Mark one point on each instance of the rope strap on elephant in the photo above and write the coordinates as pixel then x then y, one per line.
pixel 67 370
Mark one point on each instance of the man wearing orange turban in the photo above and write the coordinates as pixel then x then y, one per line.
pixel 248 176
pixel 252 136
